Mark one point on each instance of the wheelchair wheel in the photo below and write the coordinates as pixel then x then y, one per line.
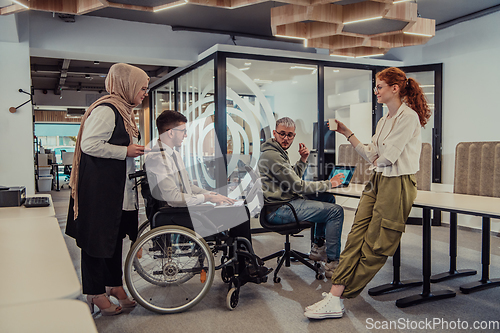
pixel 150 250
pixel 144 227
pixel 175 271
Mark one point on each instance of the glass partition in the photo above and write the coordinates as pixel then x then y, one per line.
pixel 258 90
pixel 196 102
pixel 258 93
pixel 426 81
pixel 348 98
pixel 163 99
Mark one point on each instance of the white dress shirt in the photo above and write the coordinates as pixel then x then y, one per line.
pixel 170 182
pixel 396 144
pixel 97 131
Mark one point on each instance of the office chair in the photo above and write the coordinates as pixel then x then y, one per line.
pixel 289 229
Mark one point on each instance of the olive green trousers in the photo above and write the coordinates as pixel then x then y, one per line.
pixel 375 234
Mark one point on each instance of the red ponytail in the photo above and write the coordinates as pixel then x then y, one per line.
pixel 409 90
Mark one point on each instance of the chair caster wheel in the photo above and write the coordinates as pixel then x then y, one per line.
pixel 319 276
pixel 232 298
pixel 317 265
pixel 276 279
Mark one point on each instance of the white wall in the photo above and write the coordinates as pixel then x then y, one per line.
pixel 470 52
pixel 16 129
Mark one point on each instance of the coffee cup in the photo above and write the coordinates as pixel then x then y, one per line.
pixel 332 124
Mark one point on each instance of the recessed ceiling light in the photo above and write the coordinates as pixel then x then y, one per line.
pixel 370 55
pixel 416 34
pixel 303 67
pixel 340 55
pixel 21 4
pixel 169 6
pixel 291 37
pixel 364 20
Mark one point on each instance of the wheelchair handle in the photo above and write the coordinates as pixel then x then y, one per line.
pixel 137 174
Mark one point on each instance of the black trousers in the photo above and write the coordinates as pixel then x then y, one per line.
pixel 97 273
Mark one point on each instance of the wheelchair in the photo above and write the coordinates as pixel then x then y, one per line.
pixel 170 268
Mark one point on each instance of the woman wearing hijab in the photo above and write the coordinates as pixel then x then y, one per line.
pixel 103 206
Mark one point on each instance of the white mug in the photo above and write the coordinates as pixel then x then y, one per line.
pixel 332 124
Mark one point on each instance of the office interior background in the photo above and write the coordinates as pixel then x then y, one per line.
pixel 281 80
pixel 468 52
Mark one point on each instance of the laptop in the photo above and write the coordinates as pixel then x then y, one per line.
pixel 348 172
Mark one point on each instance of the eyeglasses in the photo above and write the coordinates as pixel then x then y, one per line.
pixel 145 90
pixel 180 130
pixel 377 88
pixel 288 135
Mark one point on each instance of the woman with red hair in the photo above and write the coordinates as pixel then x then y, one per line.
pixel 387 199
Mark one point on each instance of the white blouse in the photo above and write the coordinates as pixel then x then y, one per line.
pixel 97 131
pixel 169 181
pixel 396 144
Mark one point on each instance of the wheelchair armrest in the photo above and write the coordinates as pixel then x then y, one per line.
pixel 194 208
pixel 168 209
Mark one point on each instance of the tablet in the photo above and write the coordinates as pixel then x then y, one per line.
pixel 348 172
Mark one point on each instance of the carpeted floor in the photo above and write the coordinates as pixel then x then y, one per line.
pixel 271 307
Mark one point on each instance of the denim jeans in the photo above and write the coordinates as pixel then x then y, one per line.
pixel 320 209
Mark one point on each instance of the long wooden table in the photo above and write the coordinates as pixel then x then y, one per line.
pixel 486 207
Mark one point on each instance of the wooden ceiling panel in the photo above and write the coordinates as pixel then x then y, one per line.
pixel 373 25
pixel 303 19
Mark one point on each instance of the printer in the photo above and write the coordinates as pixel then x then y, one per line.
pixel 12 196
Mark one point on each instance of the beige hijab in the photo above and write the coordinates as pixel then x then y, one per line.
pixel 123 83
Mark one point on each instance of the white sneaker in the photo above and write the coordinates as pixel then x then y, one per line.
pixel 318 253
pixel 315 305
pixel 330 268
pixel 328 307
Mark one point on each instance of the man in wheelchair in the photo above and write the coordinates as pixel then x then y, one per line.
pixel 170 186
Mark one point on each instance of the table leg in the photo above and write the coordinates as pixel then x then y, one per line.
pixel 426 295
pixel 453 272
pixel 485 281
pixel 57 177
pixel 396 283
pixel 55 174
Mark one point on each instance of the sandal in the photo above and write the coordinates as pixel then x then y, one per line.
pixel 124 303
pixel 112 310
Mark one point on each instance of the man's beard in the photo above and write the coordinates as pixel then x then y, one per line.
pixel 285 148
